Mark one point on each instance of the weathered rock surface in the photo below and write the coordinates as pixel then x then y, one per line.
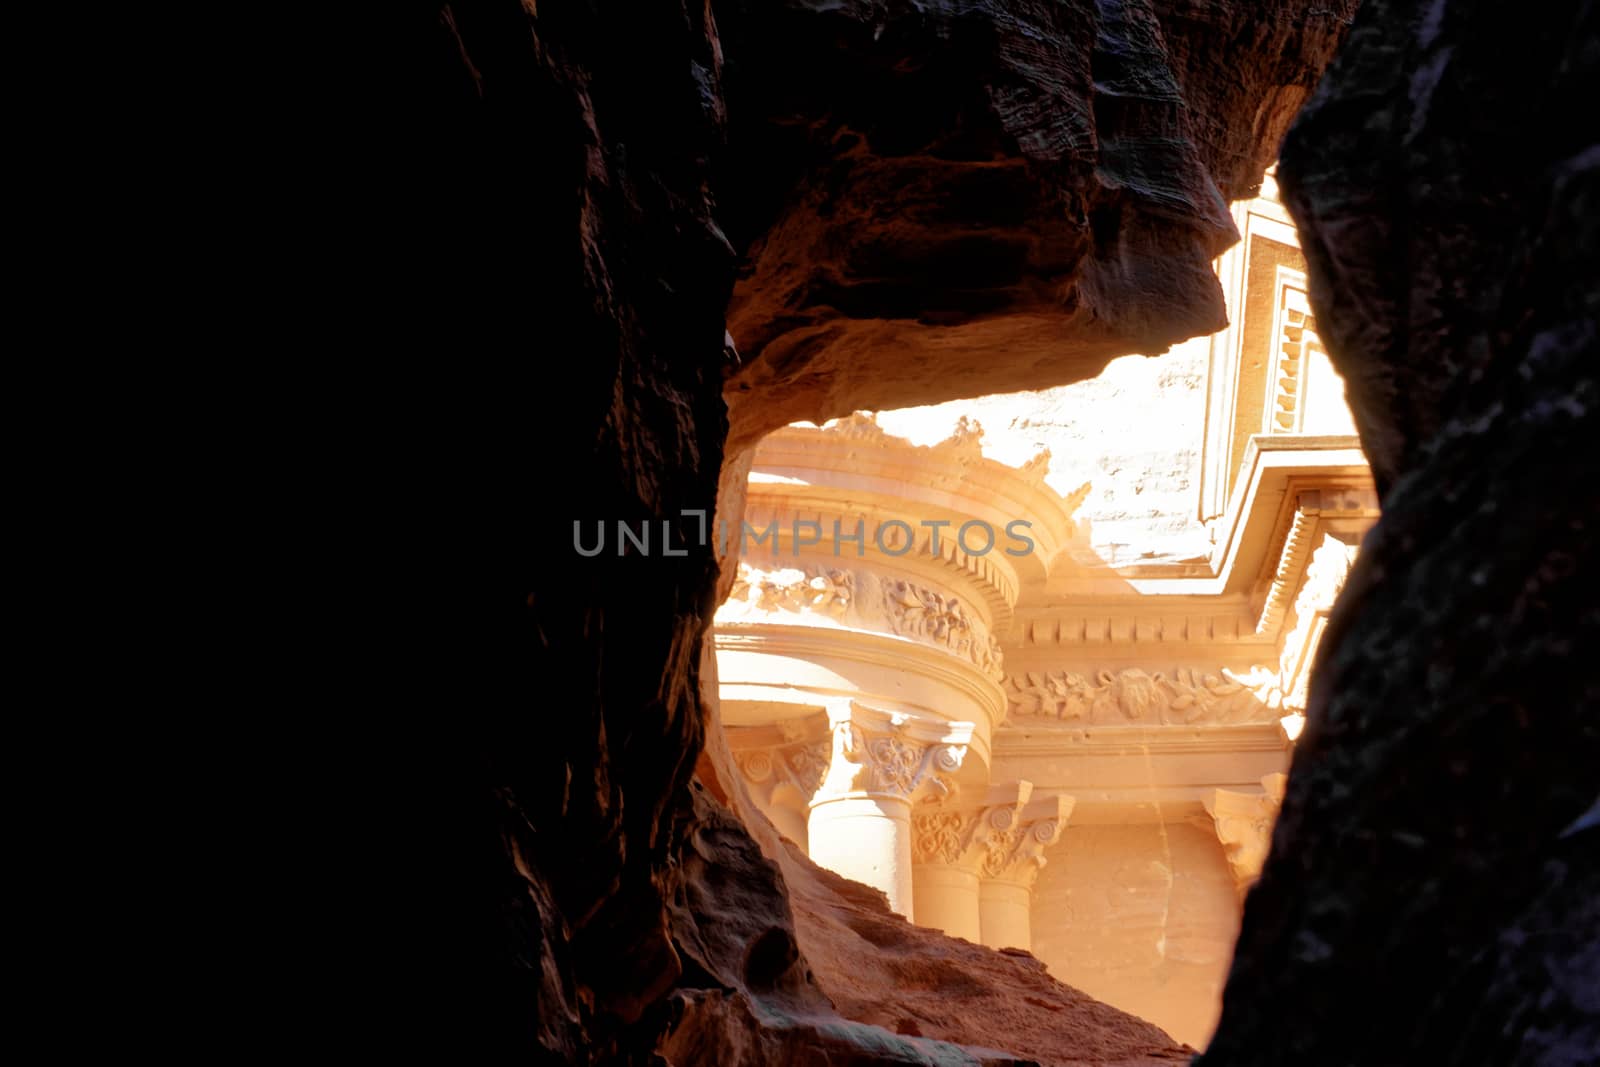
pixel 1432 886
pixel 984 197
pixel 842 979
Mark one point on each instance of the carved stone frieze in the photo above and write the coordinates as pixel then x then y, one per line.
pixel 791 589
pixel 865 601
pixel 943 621
pixel 1134 695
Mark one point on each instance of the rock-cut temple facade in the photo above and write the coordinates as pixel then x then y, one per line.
pixel 1034 665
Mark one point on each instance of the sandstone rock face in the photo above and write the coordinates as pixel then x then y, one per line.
pixel 1016 190
pixel 985 197
pixel 1431 893
pixel 842 979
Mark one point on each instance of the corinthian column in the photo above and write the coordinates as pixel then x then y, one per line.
pixel 882 763
pixel 949 843
pixel 1013 856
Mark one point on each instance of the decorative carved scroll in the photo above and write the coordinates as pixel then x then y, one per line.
pixel 803 766
pixel 1014 850
pixel 1004 841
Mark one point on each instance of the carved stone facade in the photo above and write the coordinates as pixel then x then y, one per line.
pixel 1029 693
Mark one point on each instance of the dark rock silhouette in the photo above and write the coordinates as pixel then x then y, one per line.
pixel 1431 894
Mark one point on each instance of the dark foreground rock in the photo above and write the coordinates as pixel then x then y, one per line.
pixel 1431 894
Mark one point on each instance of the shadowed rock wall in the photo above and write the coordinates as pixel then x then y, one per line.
pixel 1433 891
pixel 948 200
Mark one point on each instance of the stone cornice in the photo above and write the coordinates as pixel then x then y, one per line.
pixel 1031 740
pixel 1244 602
pixel 1278 468
pixel 1314 508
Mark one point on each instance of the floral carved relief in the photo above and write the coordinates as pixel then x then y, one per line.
pixel 1137 696
pixel 895 606
pixel 914 611
pixel 791 589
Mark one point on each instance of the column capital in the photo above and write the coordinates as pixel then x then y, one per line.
pixel 785 762
pixel 1015 840
pixel 1244 826
pixel 1002 840
pixel 886 753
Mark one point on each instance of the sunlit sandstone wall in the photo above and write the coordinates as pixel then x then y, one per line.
pixel 1142 917
pixel 1133 433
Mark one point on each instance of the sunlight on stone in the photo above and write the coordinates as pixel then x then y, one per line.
pixel 1033 664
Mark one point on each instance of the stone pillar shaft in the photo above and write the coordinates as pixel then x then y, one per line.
pixel 867 838
pixel 947 899
pixel 1005 914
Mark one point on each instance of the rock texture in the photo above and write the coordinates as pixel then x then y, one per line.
pixel 1431 893
pixel 983 197
pixel 567 189
pixel 842 979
